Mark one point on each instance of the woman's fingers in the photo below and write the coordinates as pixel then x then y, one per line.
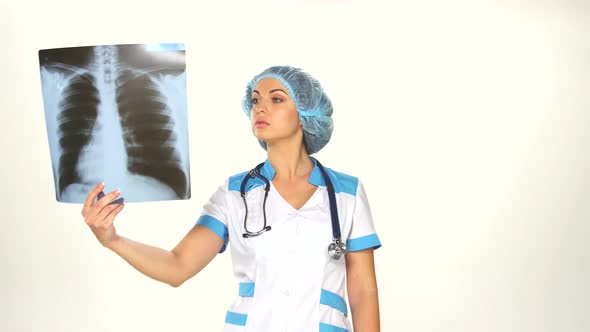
pixel 108 221
pixel 96 214
pixel 100 219
pixel 99 213
pixel 88 202
pixel 102 224
pixel 108 198
pixel 104 201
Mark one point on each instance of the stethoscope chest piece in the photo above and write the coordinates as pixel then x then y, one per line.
pixel 337 249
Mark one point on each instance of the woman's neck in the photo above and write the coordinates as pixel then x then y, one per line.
pixel 290 161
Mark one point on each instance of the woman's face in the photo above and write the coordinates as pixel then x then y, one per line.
pixel 274 115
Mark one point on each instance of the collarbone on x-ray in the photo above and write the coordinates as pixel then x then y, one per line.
pixel 117 115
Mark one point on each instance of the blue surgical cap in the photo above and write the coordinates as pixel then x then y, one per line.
pixel 313 105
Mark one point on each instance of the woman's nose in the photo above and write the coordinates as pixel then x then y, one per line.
pixel 260 107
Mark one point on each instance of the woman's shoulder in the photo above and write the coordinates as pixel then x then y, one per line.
pixel 234 182
pixel 343 182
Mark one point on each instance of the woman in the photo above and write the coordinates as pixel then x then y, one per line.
pixel 279 231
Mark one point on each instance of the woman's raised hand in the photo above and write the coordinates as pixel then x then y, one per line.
pixel 101 215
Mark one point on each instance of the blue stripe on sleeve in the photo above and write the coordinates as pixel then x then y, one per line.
pixel 216 226
pixel 363 242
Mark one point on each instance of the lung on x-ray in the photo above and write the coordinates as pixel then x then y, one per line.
pixel 117 114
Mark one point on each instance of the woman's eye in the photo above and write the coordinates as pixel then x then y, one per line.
pixel 277 100
pixel 254 100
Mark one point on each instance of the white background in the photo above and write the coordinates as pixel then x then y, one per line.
pixel 467 121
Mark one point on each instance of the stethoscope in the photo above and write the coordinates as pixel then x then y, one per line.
pixel 336 249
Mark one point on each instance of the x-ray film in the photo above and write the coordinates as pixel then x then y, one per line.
pixel 117 114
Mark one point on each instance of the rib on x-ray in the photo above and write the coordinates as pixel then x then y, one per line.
pixel 117 114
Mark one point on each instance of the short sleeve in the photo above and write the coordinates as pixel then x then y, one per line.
pixel 362 235
pixel 215 214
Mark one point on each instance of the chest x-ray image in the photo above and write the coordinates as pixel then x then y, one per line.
pixel 117 114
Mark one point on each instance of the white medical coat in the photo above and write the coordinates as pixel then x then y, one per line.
pixel 286 279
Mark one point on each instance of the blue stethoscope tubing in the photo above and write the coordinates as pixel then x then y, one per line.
pixel 336 249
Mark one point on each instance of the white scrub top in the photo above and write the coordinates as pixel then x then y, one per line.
pixel 286 279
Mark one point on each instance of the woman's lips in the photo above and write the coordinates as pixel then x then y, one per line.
pixel 261 124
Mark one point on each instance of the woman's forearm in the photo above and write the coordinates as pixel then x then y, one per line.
pixel 365 312
pixel 154 262
pixel 362 291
